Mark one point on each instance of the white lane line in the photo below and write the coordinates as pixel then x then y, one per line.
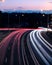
pixel 40 54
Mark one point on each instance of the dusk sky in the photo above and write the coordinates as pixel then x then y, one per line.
pixel 26 4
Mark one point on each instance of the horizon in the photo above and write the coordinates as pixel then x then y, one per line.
pixel 26 11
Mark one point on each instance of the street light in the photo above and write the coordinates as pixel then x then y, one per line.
pixel 43 15
pixel 22 14
pixel 16 15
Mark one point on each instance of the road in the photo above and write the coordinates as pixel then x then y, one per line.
pixel 25 47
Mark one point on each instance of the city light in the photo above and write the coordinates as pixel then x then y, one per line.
pixel 22 14
pixel 16 15
pixel 43 15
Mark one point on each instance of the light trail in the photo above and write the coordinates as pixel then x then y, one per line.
pixel 47 44
pixel 45 41
pixel 25 47
pixel 36 48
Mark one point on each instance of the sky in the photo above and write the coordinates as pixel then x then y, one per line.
pixel 26 4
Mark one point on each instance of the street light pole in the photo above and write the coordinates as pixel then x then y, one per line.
pixel 19 20
pixel 48 21
pixel 8 21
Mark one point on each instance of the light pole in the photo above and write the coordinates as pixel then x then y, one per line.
pixel 48 21
pixel 19 20
pixel 8 20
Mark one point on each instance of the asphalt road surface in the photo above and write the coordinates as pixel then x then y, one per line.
pixel 25 47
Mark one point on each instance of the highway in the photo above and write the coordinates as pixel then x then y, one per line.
pixel 25 47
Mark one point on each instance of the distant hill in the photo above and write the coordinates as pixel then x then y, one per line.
pixel 26 11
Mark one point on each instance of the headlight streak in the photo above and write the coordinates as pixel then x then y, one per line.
pixel 43 51
pixel 38 51
pixel 32 53
pixel 44 44
pixel 41 39
pixel 45 40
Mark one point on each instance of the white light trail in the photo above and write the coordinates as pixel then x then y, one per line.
pixel 36 48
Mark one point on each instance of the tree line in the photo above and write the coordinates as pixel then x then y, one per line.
pixel 24 20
